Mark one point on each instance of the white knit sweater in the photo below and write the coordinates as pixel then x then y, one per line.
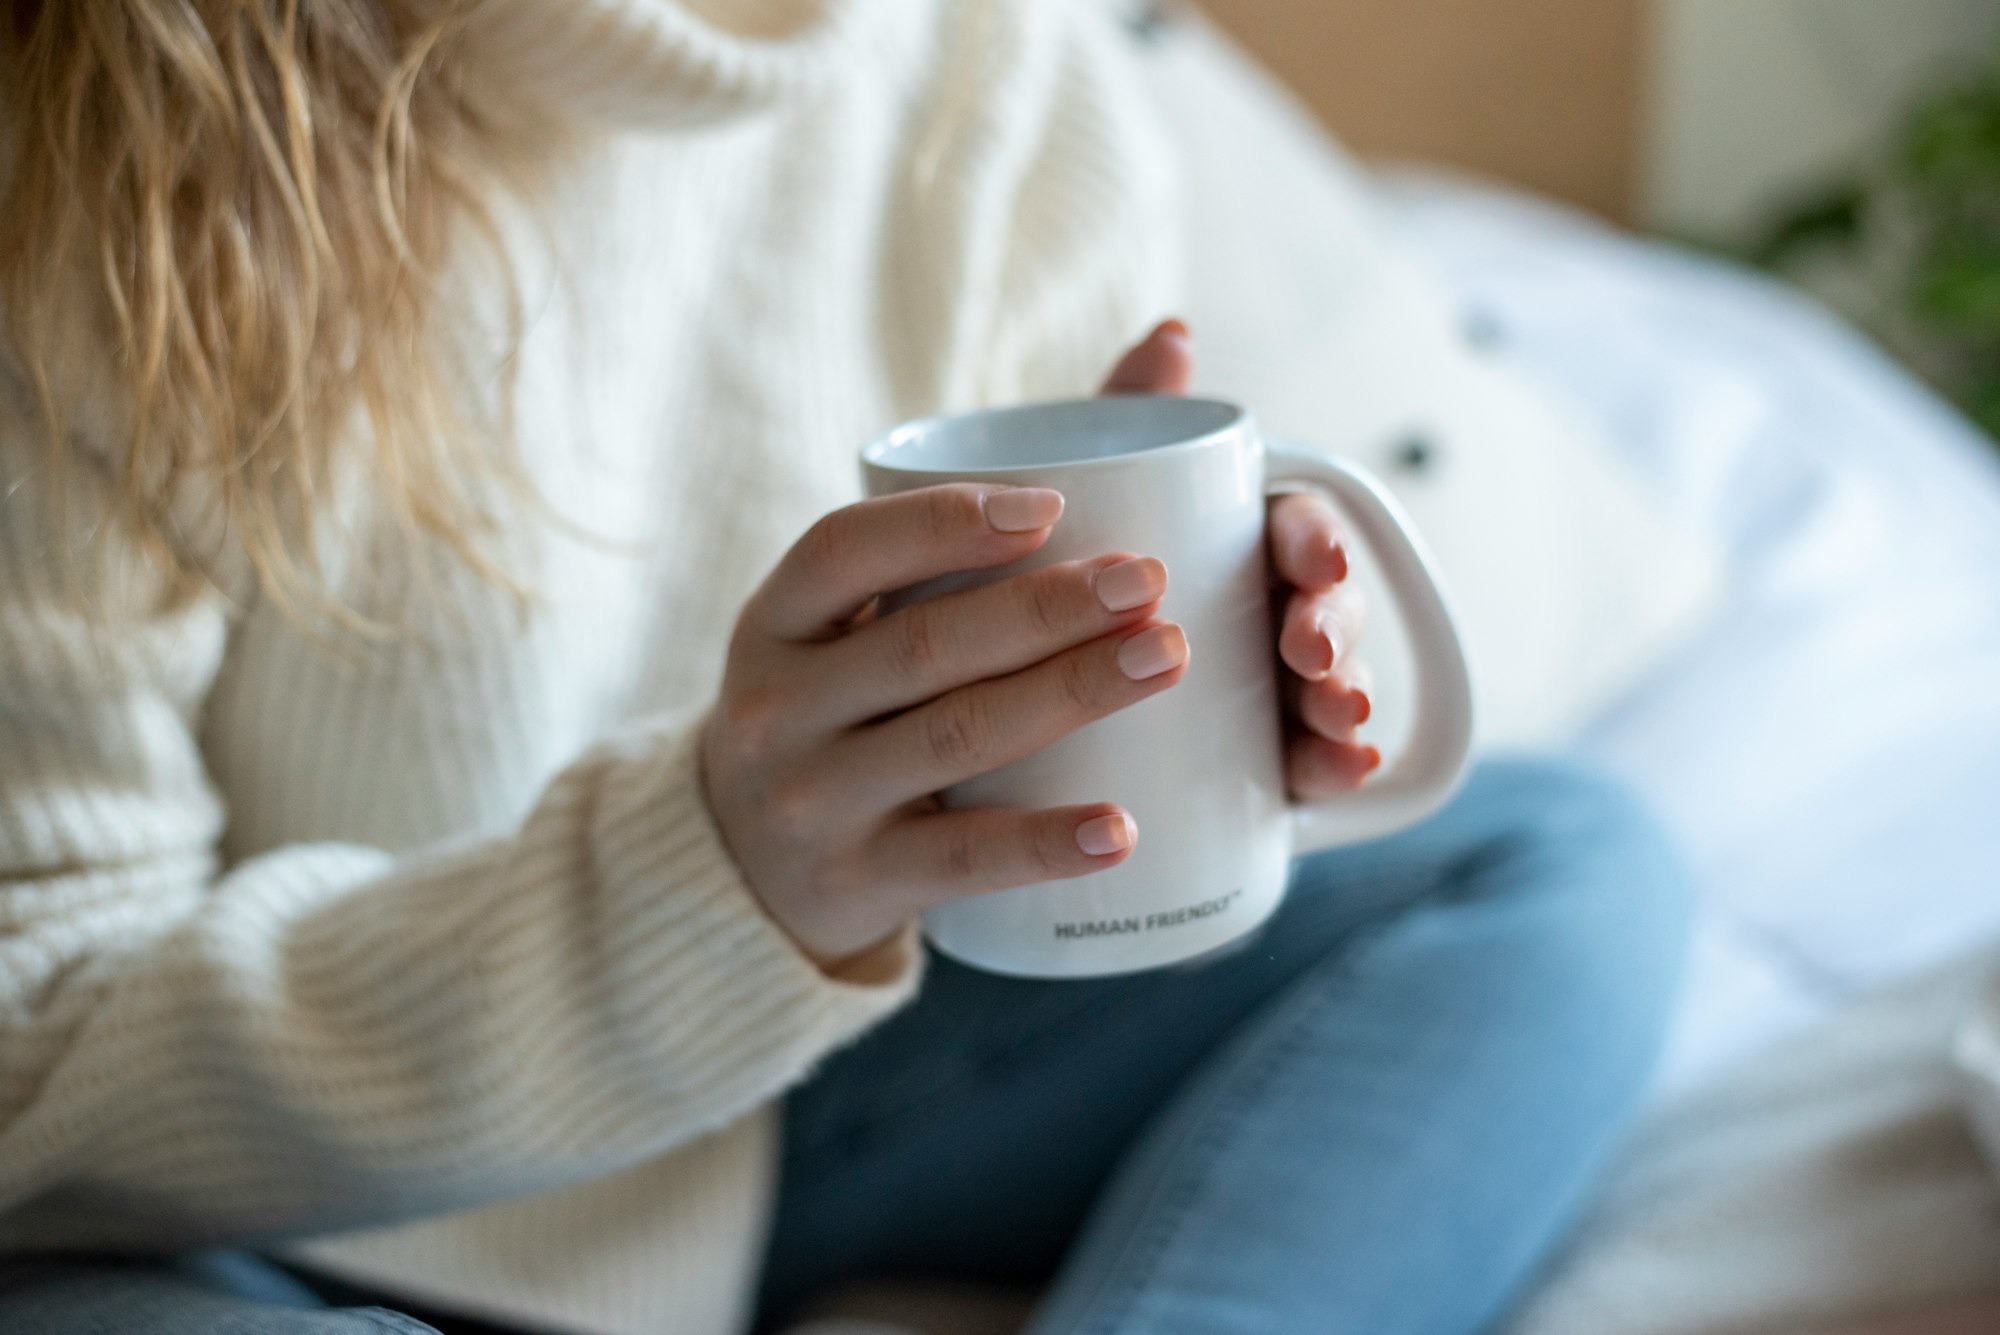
pixel 297 939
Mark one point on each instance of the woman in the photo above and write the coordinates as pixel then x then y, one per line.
pixel 417 817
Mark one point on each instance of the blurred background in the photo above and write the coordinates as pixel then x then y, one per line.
pixel 1694 228
pixel 1611 323
pixel 1684 115
pixel 1853 145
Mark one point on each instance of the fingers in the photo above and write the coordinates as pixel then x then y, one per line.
pixel 988 724
pixel 921 652
pixel 1308 541
pixel 948 855
pixel 1160 363
pixel 872 547
pixel 1320 630
pixel 1316 767
pixel 1323 620
pixel 1336 706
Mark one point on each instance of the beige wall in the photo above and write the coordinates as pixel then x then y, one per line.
pixel 1543 92
pixel 1694 116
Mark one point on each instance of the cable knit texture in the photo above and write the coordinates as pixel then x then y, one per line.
pixel 425 957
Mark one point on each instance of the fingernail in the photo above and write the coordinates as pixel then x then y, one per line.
pixel 1022 509
pixel 1152 651
pixel 1362 708
pixel 1339 563
pixel 1374 758
pixel 1106 834
pixel 1323 652
pixel 1130 583
pixel 1177 327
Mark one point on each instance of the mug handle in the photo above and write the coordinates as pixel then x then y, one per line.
pixel 1434 763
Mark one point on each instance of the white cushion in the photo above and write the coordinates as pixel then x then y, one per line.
pixel 1832 1178
pixel 1568 579
pixel 1826 755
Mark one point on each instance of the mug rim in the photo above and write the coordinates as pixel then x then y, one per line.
pixel 878 453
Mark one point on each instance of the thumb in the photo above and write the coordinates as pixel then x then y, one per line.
pixel 1160 363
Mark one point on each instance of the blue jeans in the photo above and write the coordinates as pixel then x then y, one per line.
pixel 1377 1115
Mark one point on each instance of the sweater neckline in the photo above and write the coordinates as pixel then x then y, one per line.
pixel 669 63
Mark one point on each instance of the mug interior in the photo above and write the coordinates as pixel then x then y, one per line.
pixel 1039 435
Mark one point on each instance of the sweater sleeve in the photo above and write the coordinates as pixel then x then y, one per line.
pixel 326 1035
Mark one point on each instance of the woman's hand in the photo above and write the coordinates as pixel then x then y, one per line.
pixel 1319 615
pixel 836 724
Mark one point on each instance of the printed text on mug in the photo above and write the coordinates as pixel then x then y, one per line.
pixel 1151 922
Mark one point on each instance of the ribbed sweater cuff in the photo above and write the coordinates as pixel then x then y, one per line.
pixel 700 930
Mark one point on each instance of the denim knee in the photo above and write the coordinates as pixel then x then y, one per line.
pixel 1615 899
pixel 94 1298
pixel 1568 810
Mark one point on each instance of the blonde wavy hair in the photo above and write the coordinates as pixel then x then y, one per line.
pixel 242 211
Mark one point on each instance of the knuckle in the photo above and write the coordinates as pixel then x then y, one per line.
pixel 1079 682
pixel 951 512
pixel 1051 848
pixel 959 857
pixel 958 735
pixel 794 810
pixel 1045 604
pixel 914 648
pixel 751 720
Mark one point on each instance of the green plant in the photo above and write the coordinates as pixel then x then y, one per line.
pixel 1910 246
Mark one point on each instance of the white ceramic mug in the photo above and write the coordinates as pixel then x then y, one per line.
pixel 1200 766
